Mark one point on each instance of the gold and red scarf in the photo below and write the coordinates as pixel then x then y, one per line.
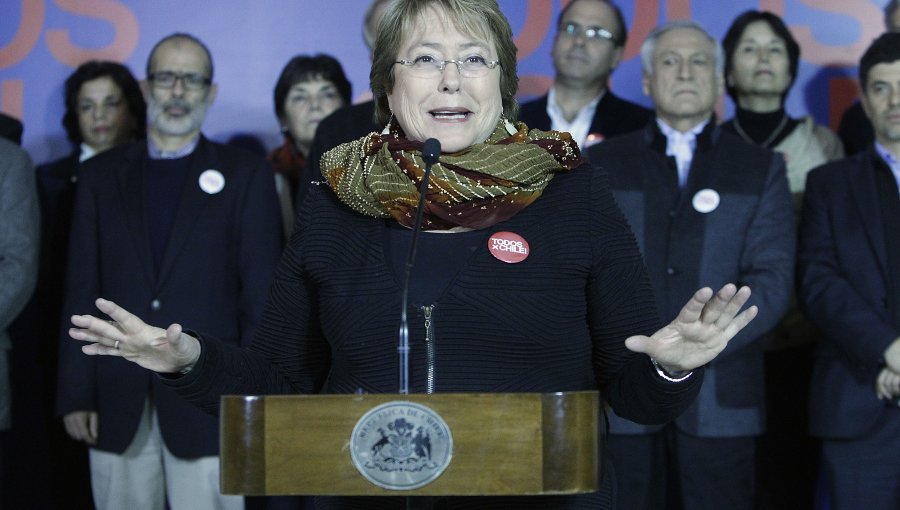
pixel 379 175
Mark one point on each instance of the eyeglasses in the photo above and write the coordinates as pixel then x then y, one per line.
pixel 428 67
pixel 590 33
pixel 167 79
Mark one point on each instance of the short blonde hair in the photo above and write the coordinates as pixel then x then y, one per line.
pixel 477 17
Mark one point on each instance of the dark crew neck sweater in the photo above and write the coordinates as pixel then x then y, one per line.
pixel 760 126
pixel 163 180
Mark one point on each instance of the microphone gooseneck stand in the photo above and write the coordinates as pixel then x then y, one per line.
pixel 431 151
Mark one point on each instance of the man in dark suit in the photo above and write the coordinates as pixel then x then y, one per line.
pixel 849 275
pixel 706 208
pixel 855 129
pixel 589 42
pixel 177 226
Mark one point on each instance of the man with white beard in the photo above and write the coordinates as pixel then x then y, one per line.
pixel 172 225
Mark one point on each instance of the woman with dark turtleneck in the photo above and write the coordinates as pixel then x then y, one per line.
pixel 761 60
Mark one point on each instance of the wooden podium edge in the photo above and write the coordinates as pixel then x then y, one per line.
pixel 247 419
pixel 570 460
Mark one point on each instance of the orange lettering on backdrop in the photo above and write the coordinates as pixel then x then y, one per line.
pixel 121 18
pixel 773 6
pixel 678 9
pixel 26 36
pixel 865 13
pixel 538 20
pixel 646 16
pixel 538 23
pixel 12 93
pixel 842 93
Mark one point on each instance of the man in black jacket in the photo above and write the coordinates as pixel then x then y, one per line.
pixel 855 130
pixel 849 277
pixel 588 46
pixel 172 225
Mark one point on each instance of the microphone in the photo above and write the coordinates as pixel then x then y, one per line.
pixel 431 151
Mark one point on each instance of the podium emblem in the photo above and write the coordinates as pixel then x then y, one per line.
pixel 401 445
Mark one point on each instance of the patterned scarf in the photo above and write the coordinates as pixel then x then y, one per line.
pixel 379 175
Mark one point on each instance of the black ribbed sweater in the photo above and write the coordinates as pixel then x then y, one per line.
pixel 554 322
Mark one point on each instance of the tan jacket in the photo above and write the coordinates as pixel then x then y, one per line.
pixel 808 146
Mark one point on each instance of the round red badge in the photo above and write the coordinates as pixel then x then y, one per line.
pixel 508 247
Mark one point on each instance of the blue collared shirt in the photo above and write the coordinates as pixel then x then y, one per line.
pixel 156 153
pixel 891 161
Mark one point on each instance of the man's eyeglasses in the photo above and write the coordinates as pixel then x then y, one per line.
pixel 167 79
pixel 589 33
pixel 470 67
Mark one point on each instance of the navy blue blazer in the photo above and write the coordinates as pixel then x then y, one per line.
pixel 748 238
pixel 214 277
pixel 843 275
pixel 614 116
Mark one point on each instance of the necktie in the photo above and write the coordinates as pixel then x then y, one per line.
pixel 681 145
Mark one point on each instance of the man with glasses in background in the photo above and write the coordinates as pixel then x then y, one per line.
pixel 170 226
pixel 589 43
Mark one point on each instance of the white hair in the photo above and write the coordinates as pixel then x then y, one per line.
pixel 649 44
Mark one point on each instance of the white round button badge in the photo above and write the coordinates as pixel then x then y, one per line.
pixel 706 201
pixel 212 181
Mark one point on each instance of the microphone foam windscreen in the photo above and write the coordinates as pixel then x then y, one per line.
pixel 431 151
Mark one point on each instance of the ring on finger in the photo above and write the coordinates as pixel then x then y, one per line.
pixel 116 346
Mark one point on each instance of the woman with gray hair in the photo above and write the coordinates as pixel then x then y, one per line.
pixel 570 309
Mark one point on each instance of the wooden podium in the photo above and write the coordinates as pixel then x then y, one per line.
pixel 502 444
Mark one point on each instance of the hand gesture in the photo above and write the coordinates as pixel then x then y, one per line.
pixel 700 332
pixel 887 384
pixel 892 356
pixel 161 350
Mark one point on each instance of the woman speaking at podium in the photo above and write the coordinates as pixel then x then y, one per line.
pixel 527 276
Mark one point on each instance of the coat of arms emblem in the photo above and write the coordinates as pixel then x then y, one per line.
pixel 401 445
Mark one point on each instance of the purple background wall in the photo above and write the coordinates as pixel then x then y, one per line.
pixel 41 41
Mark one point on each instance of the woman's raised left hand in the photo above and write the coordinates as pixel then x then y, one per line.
pixel 702 329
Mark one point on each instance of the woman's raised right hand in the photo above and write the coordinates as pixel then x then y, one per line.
pixel 126 335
